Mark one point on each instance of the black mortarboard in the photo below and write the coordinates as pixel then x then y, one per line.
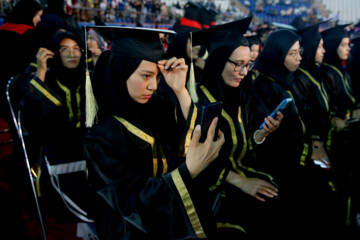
pixel 208 17
pixel 192 15
pixel 231 33
pixel 137 42
pixel 298 22
pixel 335 33
pixel 311 31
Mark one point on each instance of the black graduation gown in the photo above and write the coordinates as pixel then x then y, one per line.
pixel 338 84
pixel 53 119
pixel 236 155
pixel 142 187
pixel 313 104
pixel 344 143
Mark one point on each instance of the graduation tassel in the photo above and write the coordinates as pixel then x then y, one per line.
pixel 91 107
pixel 191 84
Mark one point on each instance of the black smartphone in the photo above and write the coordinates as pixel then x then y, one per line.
pixel 208 113
pixel 284 103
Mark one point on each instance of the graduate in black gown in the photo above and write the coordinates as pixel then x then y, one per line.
pixel 53 111
pixel 142 161
pixel 312 101
pixel 344 106
pixel 242 194
pixel 285 153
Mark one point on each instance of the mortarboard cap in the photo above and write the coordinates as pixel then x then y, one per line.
pixel 312 31
pixel 337 32
pixel 137 42
pixel 192 15
pixel 231 33
pixel 297 22
pixel 208 17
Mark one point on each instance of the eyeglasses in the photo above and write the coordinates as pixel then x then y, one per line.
pixel 66 51
pixel 241 67
pixel 295 53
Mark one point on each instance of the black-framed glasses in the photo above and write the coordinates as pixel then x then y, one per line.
pixel 240 67
pixel 66 51
pixel 295 53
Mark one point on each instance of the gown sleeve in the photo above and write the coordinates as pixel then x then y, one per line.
pixel 120 172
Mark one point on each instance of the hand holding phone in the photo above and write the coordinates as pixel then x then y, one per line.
pixel 208 113
pixel 284 103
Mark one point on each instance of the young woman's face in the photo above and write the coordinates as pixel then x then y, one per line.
pixel 233 73
pixel 293 57
pixel 254 51
pixel 37 18
pixel 320 52
pixel 143 82
pixel 344 49
pixel 70 53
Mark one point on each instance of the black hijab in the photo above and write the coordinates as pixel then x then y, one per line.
pixel 332 38
pixel 24 12
pixel 310 39
pixel 71 78
pixel 213 80
pixel 272 57
pixel 113 68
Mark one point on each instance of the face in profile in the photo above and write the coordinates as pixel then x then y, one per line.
pixel 143 82
pixel 320 52
pixel 293 57
pixel 37 17
pixel 70 53
pixel 237 66
pixel 254 51
pixel 344 49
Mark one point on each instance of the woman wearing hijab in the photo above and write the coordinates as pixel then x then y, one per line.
pixel 344 108
pixel 142 161
pixel 312 102
pixel 241 193
pixel 54 115
pixel 285 152
pixel 15 41
pixel 15 46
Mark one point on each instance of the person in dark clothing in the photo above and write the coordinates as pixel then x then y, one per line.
pixel 353 69
pixel 15 39
pixel 254 44
pixel 143 164
pixel 54 18
pixel 345 107
pixel 16 34
pixel 289 146
pixel 312 102
pixel 352 65
pixel 53 112
pixel 242 195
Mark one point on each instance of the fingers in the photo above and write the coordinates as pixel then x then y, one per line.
pixel 280 116
pixel 44 54
pixel 196 135
pixel 172 63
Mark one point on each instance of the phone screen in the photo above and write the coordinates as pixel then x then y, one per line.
pixel 284 103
